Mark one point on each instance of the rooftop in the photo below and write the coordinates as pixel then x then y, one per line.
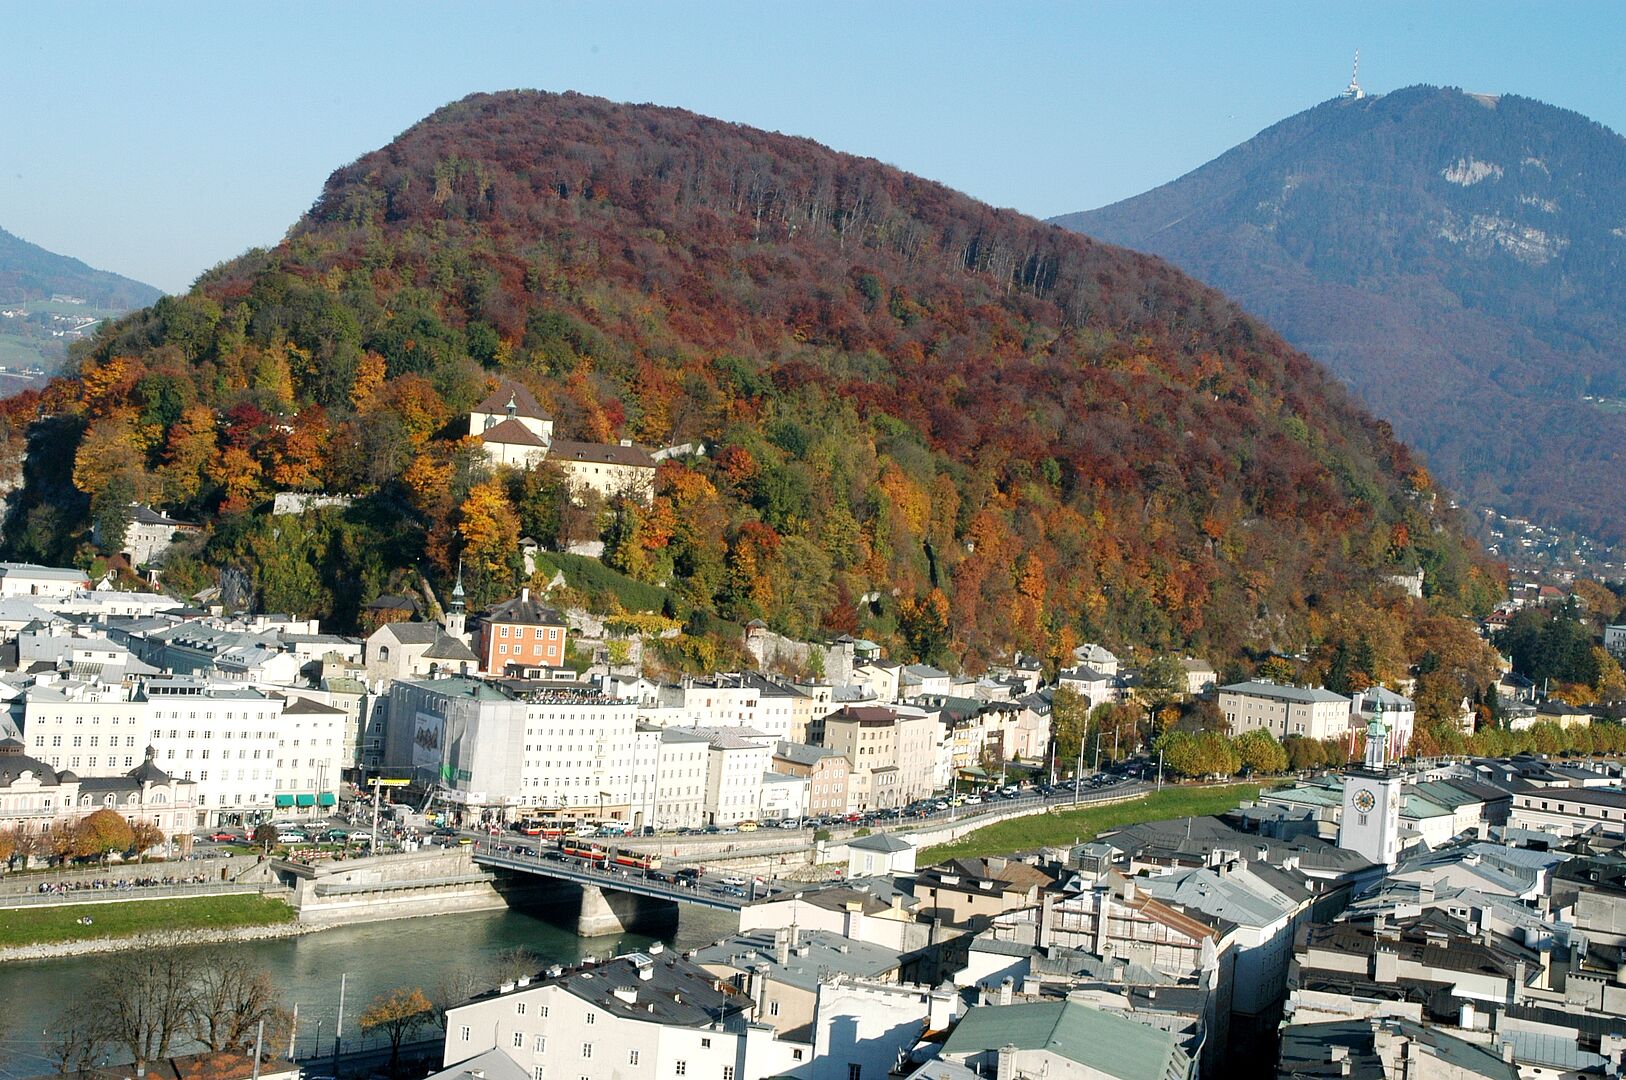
pixel 1099 1040
pixel 1297 694
pixel 510 393
pixel 814 953
pixel 603 453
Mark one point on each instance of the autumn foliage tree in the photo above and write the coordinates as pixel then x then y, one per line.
pixel 909 416
pixel 103 833
pixel 397 1013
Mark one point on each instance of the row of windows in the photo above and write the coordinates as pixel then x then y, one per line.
pixel 519 632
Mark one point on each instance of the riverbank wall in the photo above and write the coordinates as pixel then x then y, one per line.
pixel 435 881
pixel 93 946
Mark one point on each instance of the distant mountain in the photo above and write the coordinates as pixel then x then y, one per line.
pixel 998 434
pixel 29 272
pixel 1460 259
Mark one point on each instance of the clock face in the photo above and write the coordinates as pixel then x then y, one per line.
pixel 1364 801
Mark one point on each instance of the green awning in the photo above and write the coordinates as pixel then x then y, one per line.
pixel 304 800
pixel 326 798
pixel 285 800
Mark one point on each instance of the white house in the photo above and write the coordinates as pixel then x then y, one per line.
pixel 30 579
pixel 735 766
pixel 641 1016
pixel 880 854
pixel 784 797
pixel 511 426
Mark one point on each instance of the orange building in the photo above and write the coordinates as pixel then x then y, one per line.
pixel 520 631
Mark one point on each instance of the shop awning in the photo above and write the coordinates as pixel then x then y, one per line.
pixel 304 800
pixel 285 800
pixel 326 798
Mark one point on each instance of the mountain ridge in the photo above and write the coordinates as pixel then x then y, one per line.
pixel 1007 436
pixel 1455 257
pixel 31 272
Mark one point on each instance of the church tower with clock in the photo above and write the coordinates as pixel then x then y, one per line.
pixel 1372 795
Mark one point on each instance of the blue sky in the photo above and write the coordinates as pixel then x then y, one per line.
pixel 158 139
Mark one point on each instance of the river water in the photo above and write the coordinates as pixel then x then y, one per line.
pixel 373 957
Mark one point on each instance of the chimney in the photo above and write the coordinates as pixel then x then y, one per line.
pixel 1007 986
pixel 1507 1052
pixel 1385 964
pixel 524 595
pixel 1006 1069
pixel 781 947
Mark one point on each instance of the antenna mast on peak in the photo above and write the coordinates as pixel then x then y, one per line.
pixel 1353 91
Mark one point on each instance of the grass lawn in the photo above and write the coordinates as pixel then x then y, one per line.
pixel 48 925
pixel 1062 827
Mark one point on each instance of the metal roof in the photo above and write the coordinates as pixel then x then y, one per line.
pixel 1093 1038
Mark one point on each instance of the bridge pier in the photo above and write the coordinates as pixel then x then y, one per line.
pixel 607 911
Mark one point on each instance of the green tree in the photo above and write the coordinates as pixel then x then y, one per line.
pixel 1259 751
pixel 1069 722
pixel 1303 754
pixel 111 512
pixel 1181 752
pixel 1161 681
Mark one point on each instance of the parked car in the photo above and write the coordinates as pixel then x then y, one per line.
pixel 291 836
pixel 222 836
pixel 790 823
pixel 748 826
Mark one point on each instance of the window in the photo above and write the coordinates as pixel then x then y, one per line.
pixel 590 1017
pixel 541 1043
pixel 855 1071
pixel 538 1074
pixel 632 1057
pixel 773 1008
pixel 728 1072
pixel 705 1044
pixel 682 1068
pixel 520 1008
pixel 587 1050
pixel 543 1012
pixel 796 1055
pixel 519 1039
pixel 464 1033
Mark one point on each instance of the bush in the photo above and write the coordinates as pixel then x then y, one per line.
pixel 821 836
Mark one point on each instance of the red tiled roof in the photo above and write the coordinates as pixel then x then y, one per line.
pixel 513 433
pixel 525 403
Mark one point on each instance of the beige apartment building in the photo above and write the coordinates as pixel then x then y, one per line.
pixel 1309 711
pixel 892 752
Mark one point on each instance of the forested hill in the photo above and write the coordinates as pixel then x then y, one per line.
pixel 1459 258
pixel 1013 436
pixel 29 272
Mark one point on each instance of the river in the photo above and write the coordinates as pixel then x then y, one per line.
pixel 373 957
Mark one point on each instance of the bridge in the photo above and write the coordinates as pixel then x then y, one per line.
pixel 616 899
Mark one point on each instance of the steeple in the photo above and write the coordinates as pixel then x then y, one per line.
pixel 1377 738
pixel 455 616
